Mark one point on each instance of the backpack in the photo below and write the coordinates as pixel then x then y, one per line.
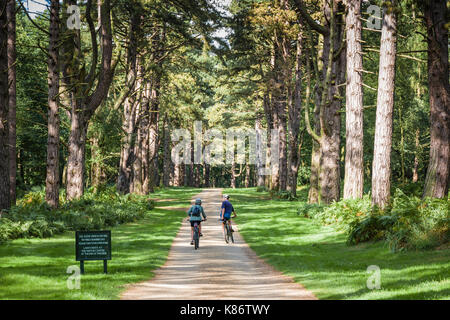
pixel 196 211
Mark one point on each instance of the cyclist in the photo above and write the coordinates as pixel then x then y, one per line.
pixel 225 213
pixel 195 213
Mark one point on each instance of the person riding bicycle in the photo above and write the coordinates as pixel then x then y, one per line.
pixel 225 213
pixel 195 213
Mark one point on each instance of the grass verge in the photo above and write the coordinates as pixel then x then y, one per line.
pixel 36 268
pixel 318 257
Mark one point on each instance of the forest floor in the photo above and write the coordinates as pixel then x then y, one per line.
pixel 317 256
pixel 216 270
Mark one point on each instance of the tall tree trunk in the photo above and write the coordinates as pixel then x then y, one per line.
pixel 233 174
pixel 5 201
pixel 416 158
pixel 97 171
pixel 145 148
pixel 207 171
pixel 295 110
pixel 84 106
pixel 129 123
pixel 176 175
pixel 279 98
pixel 136 186
pixel 154 133
pixel 334 70
pixel 260 154
pixel 381 171
pixel 197 178
pixel 313 194
pixel 77 153
pixel 328 104
pixel 127 156
pixel 314 187
pixel 11 16
pixel 437 179
pixel 276 104
pixel 247 175
pixel 267 104
pixel 52 178
pixel 354 161
pixel 167 161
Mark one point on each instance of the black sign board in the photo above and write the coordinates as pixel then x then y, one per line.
pixel 93 245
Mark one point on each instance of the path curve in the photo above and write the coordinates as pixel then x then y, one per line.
pixel 216 270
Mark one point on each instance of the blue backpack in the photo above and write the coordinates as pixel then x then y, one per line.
pixel 196 211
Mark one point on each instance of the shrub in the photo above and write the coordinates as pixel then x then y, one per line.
pixel 304 175
pixel 261 189
pixel 420 224
pixel 371 228
pixel 309 210
pixel 285 195
pixel 411 223
pixel 32 218
pixel 345 213
pixel 282 195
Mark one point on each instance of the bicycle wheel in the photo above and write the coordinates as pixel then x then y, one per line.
pixel 231 236
pixel 226 233
pixel 196 239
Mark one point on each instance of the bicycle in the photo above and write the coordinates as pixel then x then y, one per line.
pixel 197 235
pixel 228 234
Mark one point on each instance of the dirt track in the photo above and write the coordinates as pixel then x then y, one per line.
pixel 216 270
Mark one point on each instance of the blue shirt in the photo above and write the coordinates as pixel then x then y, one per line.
pixel 228 207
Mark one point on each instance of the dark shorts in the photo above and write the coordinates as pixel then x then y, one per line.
pixel 225 219
pixel 193 222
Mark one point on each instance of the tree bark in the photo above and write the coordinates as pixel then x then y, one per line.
pixel 127 156
pixel 295 110
pixel 247 175
pixel 260 154
pixel 12 56
pixel 354 162
pixel 137 181
pixel 52 178
pixel 167 161
pixel 416 158
pixel 267 104
pixel 282 74
pixel 313 194
pixel 154 133
pixel 437 179
pixel 84 105
pixel 233 174
pixel 76 159
pixel 5 201
pixel 330 118
pixel 135 79
pixel 97 170
pixel 381 171
pixel 207 177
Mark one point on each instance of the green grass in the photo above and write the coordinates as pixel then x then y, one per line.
pixel 36 268
pixel 317 256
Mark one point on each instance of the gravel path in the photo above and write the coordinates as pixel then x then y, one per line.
pixel 216 270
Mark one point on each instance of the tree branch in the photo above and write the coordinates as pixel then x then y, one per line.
pixel 312 23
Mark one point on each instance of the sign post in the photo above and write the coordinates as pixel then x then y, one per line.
pixel 93 245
